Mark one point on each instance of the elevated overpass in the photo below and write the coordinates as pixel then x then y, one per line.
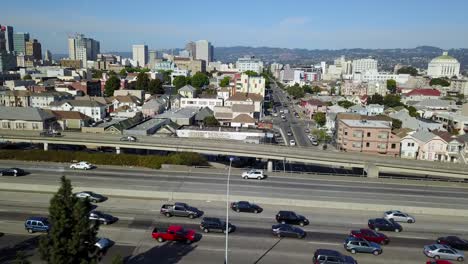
pixel 372 164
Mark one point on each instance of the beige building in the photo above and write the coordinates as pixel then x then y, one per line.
pixel 25 118
pixel 367 136
pixel 250 85
pixel 191 65
pixel 15 98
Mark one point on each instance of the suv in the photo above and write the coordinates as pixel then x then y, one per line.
pixel 37 224
pixel 328 256
pixel 253 174
pixel 355 245
pixel 209 224
pixel 290 217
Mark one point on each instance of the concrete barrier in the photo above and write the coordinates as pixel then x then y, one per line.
pixel 180 196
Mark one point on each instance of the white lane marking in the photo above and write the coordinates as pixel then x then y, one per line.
pixel 323 243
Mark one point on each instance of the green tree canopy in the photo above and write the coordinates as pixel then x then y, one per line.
pixel 316 89
pixel 97 74
pixel 320 118
pixel 210 121
pixel 225 81
pixel 123 73
pixel 142 81
pixel 439 81
pixel 391 86
pixel 332 90
pixel 155 87
pixel 307 88
pixel 112 84
pixel 296 91
pixel 392 100
pixel 412 111
pixel 345 104
pixel 396 123
pixel 376 99
pixel 251 73
pixel 179 82
pixel 27 77
pixel 408 70
pixel 72 235
pixel 166 76
pixel 199 80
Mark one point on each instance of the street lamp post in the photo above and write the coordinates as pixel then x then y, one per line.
pixel 227 212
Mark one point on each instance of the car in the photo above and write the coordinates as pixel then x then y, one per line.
pixel 438 261
pixel 50 133
pixel 12 172
pixel 328 256
pixel 454 242
pixel 370 235
pixel 82 165
pixel 359 245
pixel 93 197
pixel 283 116
pixel 399 216
pixel 128 138
pixel 180 209
pixel 209 224
pixel 290 217
pixel 292 142
pixel 175 233
pixel 439 251
pixel 285 230
pixel 275 114
pixel 289 133
pixel 307 130
pixel 384 225
pixel 314 142
pixel 103 244
pixel 253 174
pixel 244 206
pixel 37 224
pixel 101 217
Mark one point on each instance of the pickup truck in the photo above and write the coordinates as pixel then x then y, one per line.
pixel 180 209
pixel 174 233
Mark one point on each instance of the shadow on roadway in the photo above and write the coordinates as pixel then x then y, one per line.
pixel 267 251
pixel 167 253
pixel 8 254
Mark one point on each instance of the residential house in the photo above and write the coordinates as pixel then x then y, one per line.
pixel 114 125
pixel 256 100
pixel 44 99
pixel 107 101
pixel 430 146
pixel 243 120
pixel 181 116
pixel 331 115
pixel 140 94
pixel 25 118
pixel 188 91
pixel 420 94
pixel 147 127
pixel 202 114
pixel 249 84
pixel 93 109
pixel 313 106
pixel 15 98
pixel 126 100
pixel 454 146
pixel 453 122
pixel 91 88
pixel 414 123
pixel 374 109
pixel 154 106
pixel 200 102
pixel 358 109
pixel 70 120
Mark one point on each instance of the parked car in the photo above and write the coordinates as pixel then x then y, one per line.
pixel 37 224
pixel 439 251
pixel 307 130
pixel 102 218
pixel 244 206
pixel 359 245
pixel 82 165
pixel 454 242
pixel 209 224
pixel 180 209
pixel 289 133
pixel 290 217
pixel 285 230
pixel 399 216
pixel 314 142
pixel 93 197
pixel 175 233
pixel 370 235
pixel 292 142
pixel 253 174
pixel 12 172
pixel 328 256
pixel 103 244
pixel 128 138
pixel 384 225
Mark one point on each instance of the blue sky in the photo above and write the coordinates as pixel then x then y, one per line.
pixel 310 24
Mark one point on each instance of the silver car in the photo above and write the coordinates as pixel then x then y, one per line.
pixel 399 216
pixel 439 251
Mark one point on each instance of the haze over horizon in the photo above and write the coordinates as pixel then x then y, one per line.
pixel 302 24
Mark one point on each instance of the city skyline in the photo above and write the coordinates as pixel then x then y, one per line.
pixel 299 25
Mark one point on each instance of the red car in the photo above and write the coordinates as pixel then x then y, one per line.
pixel 370 235
pixel 175 233
pixel 438 262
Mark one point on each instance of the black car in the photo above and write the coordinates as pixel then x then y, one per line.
pixel 209 224
pixel 101 217
pixel 12 172
pixel 454 242
pixel 290 217
pixel 384 224
pixel 284 230
pixel 243 206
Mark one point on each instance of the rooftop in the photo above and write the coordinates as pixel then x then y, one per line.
pixel 145 125
pixel 24 113
pixel 367 123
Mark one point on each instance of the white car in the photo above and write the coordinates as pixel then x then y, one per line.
pixel 292 142
pixel 82 165
pixel 399 216
pixel 253 174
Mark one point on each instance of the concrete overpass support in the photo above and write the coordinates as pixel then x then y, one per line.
pixel 270 166
pixel 371 170
pixel 117 150
pixel 46 146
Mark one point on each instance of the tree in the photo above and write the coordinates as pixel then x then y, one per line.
pixel 97 74
pixel 112 84
pixel 320 118
pixel 210 121
pixel 345 104
pixel 72 235
pixel 27 77
pixel 307 88
pixel 296 91
pixel 392 100
pixel 117 260
pixel 225 81
pixel 155 87
pixel 251 73
pixel 166 76
pixel 321 135
pixel 179 82
pixel 391 86
pixel 123 73
pixel 376 99
pixel 316 90
pixel 439 81
pixel 21 258
pixel 142 81
pixel 412 111
pixel 408 70
pixel 396 123
pixel 199 80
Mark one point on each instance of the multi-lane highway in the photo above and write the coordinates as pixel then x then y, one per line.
pixel 252 242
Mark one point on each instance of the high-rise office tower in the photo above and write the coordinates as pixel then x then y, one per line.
pixel 204 51
pixel 48 56
pixel 191 47
pixel 33 49
pixel 6 38
pixel 81 48
pixel 19 42
pixel 140 54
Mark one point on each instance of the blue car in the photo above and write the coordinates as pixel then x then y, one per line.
pixel 37 224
